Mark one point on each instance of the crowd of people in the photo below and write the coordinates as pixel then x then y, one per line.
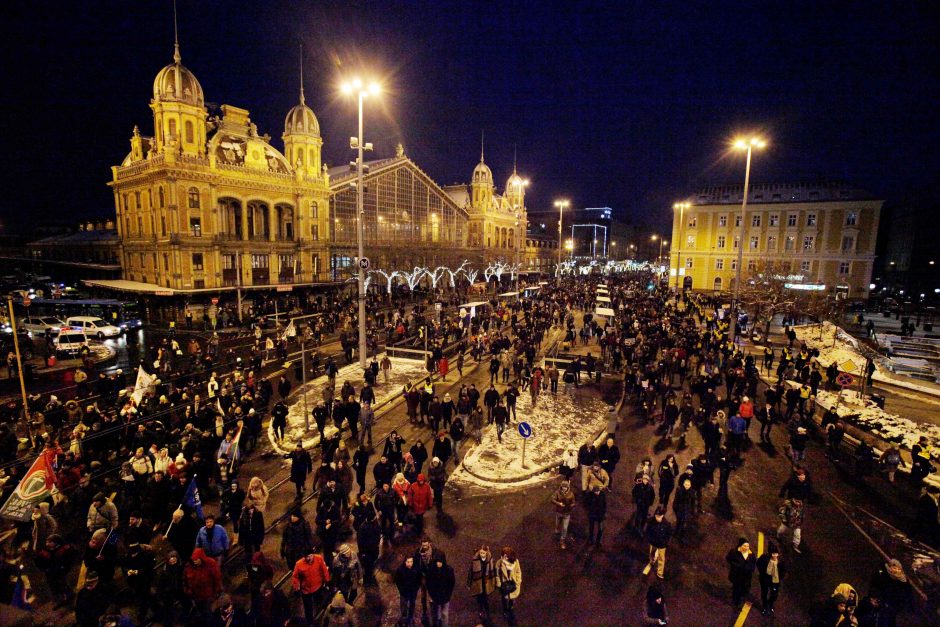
pixel 130 463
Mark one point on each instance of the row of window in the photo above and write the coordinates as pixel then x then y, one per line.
pixel 812 219
pixel 845 267
pixel 789 243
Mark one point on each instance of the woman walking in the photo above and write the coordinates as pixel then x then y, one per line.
pixel 509 582
pixel 481 580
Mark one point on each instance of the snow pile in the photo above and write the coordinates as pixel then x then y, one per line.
pixel 867 416
pixel 403 371
pixel 569 419
pixel 835 346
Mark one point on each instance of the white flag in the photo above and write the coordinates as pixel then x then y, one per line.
pixel 144 381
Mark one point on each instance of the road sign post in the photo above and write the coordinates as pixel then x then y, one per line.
pixel 525 430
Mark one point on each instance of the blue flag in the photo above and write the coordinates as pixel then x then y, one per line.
pixel 192 500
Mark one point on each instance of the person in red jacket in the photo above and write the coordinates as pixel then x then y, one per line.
pixel 420 500
pixel 202 581
pixel 746 411
pixel 310 577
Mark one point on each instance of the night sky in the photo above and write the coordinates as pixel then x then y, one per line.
pixel 626 104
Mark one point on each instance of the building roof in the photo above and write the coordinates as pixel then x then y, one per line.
pixel 808 191
pixel 342 173
pixel 94 236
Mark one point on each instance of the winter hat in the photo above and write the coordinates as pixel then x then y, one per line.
pixel 741 541
pixel 839 598
pixel 345 550
pixel 421 476
pixel 338 602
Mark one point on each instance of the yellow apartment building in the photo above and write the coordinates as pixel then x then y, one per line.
pixel 820 236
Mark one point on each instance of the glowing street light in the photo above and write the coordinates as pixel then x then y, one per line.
pixel 356 86
pixel 562 205
pixel 681 206
pixel 748 144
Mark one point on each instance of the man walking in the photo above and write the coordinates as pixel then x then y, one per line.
pixel 563 500
pixel 658 533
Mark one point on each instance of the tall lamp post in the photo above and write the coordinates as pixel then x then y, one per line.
pixel 562 205
pixel 742 144
pixel 356 86
pixel 681 206
pixel 518 247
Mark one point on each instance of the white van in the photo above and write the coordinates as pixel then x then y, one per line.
pixel 93 326
pixel 69 342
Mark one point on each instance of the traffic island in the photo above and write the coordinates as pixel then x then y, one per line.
pixel 556 423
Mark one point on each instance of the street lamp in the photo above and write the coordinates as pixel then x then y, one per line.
pixel 659 259
pixel 562 205
pixel 358 87
pixel 518 246
pixel 613 244
pixel 748 145
pixel 681 206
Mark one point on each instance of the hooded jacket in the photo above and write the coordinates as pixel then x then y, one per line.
pixel 214 542
pixel 420 497
pixel 308 578
pixel 440 582
pixel 204 582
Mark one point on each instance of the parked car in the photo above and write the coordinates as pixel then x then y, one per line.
pixel 38 326
pixel 24 340
pixel 70 342
pixel 93 326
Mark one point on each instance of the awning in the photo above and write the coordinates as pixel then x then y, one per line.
pixel 602 299
pixel 509 295
pixel 138 287
pixel 604 312
pixel 472 305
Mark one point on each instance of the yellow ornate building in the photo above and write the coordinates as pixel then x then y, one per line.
pixel 819 237
pixel 207 202
pixel 496 222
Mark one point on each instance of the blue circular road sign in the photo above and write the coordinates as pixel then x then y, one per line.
pixel 525 429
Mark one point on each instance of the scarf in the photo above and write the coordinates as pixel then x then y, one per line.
pixel 772 571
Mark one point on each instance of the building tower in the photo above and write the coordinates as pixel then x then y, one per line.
pixel 302 141
pixel 179 112
pixel 481 185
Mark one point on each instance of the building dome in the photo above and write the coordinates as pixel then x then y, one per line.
pixel 482 174
pixel 175 83
pixel 515 184
pixel 300 120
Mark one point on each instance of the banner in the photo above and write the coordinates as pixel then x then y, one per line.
pixel 37 485
pixel 192 500
pixel 144 381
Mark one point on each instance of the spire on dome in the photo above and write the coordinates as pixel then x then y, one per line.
pixel 482 136
pixel 176 37
pixel 514 151
pixel 302 73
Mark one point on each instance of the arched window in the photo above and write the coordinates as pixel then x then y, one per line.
pixel 312 160
pixel 512 237
pixel 193 198
pixel 189 132
pixel 161 197
pixel 717 284
pixel 300 157
pixel 172 128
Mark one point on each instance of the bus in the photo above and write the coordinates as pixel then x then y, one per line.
pixel 122 314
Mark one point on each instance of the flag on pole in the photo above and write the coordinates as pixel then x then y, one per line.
pixel 144 381
pixel 230 449
pixel 290 331
pixel 37 485
pixel 191 498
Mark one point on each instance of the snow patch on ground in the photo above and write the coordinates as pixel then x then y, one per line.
pixel 403 371
pixel 867 416
pixel 844 347
pixel 569 419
